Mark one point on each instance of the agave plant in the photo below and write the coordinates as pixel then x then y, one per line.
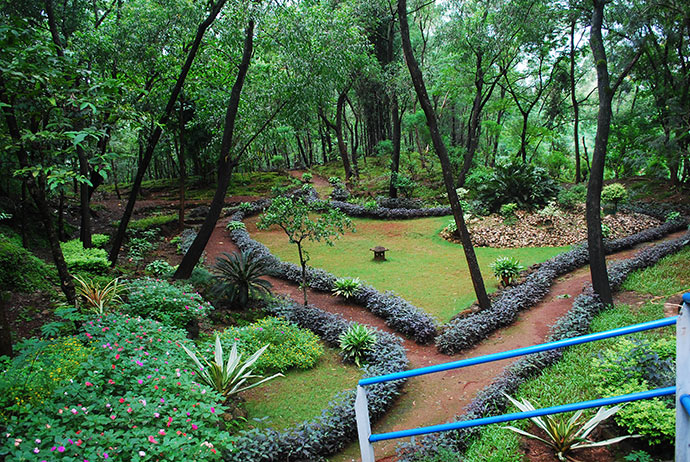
pixel 98 299
pixel 238 276
pixel 232 376
pixel 567 435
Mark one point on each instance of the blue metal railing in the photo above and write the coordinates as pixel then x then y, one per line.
pixel 682 388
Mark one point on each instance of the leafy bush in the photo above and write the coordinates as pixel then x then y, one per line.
pixel 141 243
pixel 246 207
pixel 673 216
pixel 569 198
pixel 78 258
pixel 335 181
pixel 550 212
pixel 605 230
pixel 451 227
pixel 39 367
pixel 506 269
pixel 356 342
pixel 614 194
pixel 347 287
pixel 289 346
pixel 403 183
pixel 307 177
pixel 520 183
pixel 162 301
pixel 21 271
pixel 99 299
pixel 131 399
pixel 632 365
pixel 159 268
pixel 508 210
pixel 238 276
pixel 99 240
pixel 154 221
pixel 235 225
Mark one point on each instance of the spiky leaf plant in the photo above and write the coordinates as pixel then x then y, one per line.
pixel 239 276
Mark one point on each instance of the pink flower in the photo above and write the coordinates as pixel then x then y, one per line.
pixel 88 384
pixel 194 426
pixel 61 449
pixel 152 440
pixel 161 432
pixel 213 410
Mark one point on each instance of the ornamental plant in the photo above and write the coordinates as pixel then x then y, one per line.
pixel 162 301
pixel 356 342
pixel 288 346
pixel 307 177
pixel 231 377
pixel 506 269
pixel 96 298
pixel 159 268
pixel 131 398
pixel 566 435
pixel 346 287
pixel 234 224
pixel 238 276
pixel 77 258
pixel 613 194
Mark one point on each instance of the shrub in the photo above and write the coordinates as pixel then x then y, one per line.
pixel 523 184
pixel 347 287
pixel 614 194
pixel 100 240
pixel 672 216
pixel 451 227
pixel 403 183
pixel 232 225
pixel 154 221
pixel 632 365
pixel 605 230
pixel 246 207
pixel 508 210
pixel 550 212
pixel 141 243
pixel 371 204
pixel 78 258
pixel 21 271
pixel 132 395
pixel 289 346
pixel 335 181
pixel 569 198
pixel 96 298
pixel 239 276
pixel 159 268
pixel 162 301
pixel 356 342
pixel 187 237
pixel 307 177
pixel 506 269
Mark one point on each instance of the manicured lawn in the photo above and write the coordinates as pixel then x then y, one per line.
pixel 421 266
pixel 300 395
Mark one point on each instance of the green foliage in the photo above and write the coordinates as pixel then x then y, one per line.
pixel 508 210
pixel 356 342
pixel 383 148
pixel 605 230
pixel 238 277
pixel 669 276
pixel 246 207
pixel 523 184
pixel 614 194
pixel 672 216
pixel 307 177
pixel 100 240
pixel 632 365
pixel 78 258
pixel 451 227
pixel 506 269
pixel 335 181
pixel 550 211
pixel 564 435
pixel 97 299
pixel 638 456
pixel 570 197
pixel 229 378
pixel 346 287
pixel 154 221
pixel 159 268
pixel 165 302
pixel 233 225
pixel 288 346
pixel 403 183
pixel 142 243
pixel 21 271
pixel 370 204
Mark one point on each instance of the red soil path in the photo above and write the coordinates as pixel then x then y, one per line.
pixel 436 398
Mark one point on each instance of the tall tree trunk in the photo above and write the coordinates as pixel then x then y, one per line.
pixel 5 330
pixel 576 104
pixel 395 155
pixel 442 153
pixel 340 109
pixel 157 131
pixel 181 162
pixel 226 164
pixel 303 265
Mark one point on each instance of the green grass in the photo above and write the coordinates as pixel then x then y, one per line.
pixel 300 395
pixel 668 277
pixel 154 221
pixel 421 266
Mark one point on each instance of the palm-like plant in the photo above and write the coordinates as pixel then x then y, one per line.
pixel 567 435
pixel 356 341
pixel 233 376
pixel 347 287
pixel 238 276
pixel 98 299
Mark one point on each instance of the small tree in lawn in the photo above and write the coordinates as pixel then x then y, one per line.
pixel 293 217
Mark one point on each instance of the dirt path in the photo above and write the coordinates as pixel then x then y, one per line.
pixel 436 398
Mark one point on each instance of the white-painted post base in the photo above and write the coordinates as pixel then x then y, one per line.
pixel 363 425
pixel 683 381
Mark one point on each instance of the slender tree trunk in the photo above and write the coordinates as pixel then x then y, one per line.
pixel 5 330
pixel 303 264
pixel 341 138
pixel 395 155
pixel 181 162
pixel 226 164
pixel 442 153
pixel 576 104
pixel 157 131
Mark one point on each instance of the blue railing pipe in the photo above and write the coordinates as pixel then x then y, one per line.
pixel 521 351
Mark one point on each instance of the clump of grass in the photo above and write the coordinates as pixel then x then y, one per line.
pixel 667 277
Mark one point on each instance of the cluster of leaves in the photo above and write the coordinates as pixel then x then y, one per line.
pixel 232 225
pixel 20 270
pixel 141 243
pixel 520 183
pixel 569 198
pixel 133 383
pixel 162 301
pixel 77 258
pixel 159 268
pixel 639 364
pixel 335 427
pixel 289 346
pixel 506 269
pixel 356 342
pixel 96 299
pixel 238 277
pixel 152 221
pixel 307 177
pixel 492 400
pixel 346 287
pixel 385 213
pixel 399 202
pixel 403 183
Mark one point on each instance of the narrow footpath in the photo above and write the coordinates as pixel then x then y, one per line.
pixel 436 398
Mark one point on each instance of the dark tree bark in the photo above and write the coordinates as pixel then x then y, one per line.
pixel 226 163
pixel 576 105
pixel 337 127
pixel 442 153
pixel 5 330
pixel 396 115
pixel 157 131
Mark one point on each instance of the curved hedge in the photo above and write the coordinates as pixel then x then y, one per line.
pixel 491 400
pixel 335 427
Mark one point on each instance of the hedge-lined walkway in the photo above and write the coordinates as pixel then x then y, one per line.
pixel 437 398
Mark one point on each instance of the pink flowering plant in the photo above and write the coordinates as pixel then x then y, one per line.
pixel 174 305
pixel 133 399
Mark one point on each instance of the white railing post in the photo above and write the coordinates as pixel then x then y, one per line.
pixel 363 425
pixel 683 381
